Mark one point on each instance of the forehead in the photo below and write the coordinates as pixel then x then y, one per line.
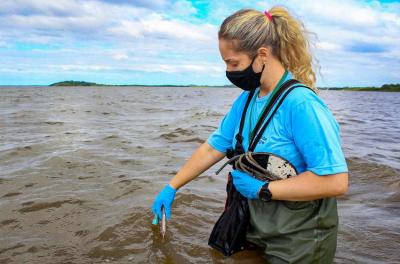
pixel 228 52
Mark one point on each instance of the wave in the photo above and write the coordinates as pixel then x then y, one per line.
pixel 33 206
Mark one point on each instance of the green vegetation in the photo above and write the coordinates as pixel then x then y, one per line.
pixel 383 88
pixel 74 83
pixel 81 83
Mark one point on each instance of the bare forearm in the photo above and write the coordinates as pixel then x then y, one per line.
pixel 309 186
pixel 201 160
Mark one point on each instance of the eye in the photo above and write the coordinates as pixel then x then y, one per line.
pixel 234 64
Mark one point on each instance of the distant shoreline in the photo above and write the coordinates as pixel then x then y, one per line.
pixel 383 88
pixel 79 83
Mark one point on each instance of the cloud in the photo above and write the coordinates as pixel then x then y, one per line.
pixel 329 46
pixel 56 24
pixel 153 4
pixel 57 8
pixel 177 40
pixel 183 9
pixel 95 21
pixel 353 36
pixel 155 26
pixel 120 56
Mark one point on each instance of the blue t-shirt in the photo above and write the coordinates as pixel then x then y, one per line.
pixel 303 130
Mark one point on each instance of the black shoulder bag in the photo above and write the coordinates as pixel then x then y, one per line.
pixel 229 233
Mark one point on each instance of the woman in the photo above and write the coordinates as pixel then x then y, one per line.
pixel 261 51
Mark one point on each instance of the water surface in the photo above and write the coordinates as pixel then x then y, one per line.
pixel 80 167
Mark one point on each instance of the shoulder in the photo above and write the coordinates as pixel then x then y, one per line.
pixel 303 97
pixel 302 102
pixel 242 96
pixel 240 101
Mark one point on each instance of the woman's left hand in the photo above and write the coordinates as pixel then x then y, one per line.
pixel 247 185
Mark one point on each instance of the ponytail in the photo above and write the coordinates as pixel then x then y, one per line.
pixel 285 34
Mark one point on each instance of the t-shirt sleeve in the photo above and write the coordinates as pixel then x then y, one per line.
pixel 316 134
pixel 221 139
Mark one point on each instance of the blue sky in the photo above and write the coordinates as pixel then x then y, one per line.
pixel 175 42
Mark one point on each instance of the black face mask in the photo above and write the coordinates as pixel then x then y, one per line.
pixel 246 79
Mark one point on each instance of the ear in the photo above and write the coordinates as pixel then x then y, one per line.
pixel 264 53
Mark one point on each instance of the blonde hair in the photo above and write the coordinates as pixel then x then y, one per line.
pixel 284 34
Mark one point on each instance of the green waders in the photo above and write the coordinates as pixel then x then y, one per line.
pixel 295 232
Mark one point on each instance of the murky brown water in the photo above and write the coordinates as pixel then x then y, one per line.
pixel 80 167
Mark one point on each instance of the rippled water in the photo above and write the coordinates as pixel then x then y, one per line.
pixel 80 168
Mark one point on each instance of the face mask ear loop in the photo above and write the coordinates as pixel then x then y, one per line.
pixel 263 68
pixel 253 62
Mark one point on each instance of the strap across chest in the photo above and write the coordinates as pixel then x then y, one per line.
pixel 276 99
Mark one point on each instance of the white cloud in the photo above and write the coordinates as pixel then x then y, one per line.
pixel 324 45
pixel 183 8
pixel 353 37
pixel 43 22
pixel 96 21
pixel 153 4
pixel 50 8
pixel 197 68
pixel 168 37
pixel 155 25
pixel 121 55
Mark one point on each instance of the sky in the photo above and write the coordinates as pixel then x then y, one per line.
pixel 357 43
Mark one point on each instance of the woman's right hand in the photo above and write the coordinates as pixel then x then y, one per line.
pixel 202 159
pixel 164 198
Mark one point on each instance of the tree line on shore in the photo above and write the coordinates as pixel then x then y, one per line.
pixel 385 87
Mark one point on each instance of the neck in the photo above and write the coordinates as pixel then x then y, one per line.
pixel 273 74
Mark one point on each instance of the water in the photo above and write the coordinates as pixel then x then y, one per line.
pixel 80 167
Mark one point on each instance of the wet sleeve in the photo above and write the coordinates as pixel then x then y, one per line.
pixel 221 139
pixel 316 134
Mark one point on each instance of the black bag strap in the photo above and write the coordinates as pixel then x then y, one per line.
pixel 239 137
pixel 273 100
pixel 258 135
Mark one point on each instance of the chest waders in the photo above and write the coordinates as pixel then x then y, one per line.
pixel 288 231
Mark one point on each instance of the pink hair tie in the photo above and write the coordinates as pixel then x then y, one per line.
pixel 268 15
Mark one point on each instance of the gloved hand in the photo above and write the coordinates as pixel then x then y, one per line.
pixel 247 185
pixel 165 197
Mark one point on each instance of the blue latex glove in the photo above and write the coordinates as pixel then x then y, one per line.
pixel 247 185
pixel 165 197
